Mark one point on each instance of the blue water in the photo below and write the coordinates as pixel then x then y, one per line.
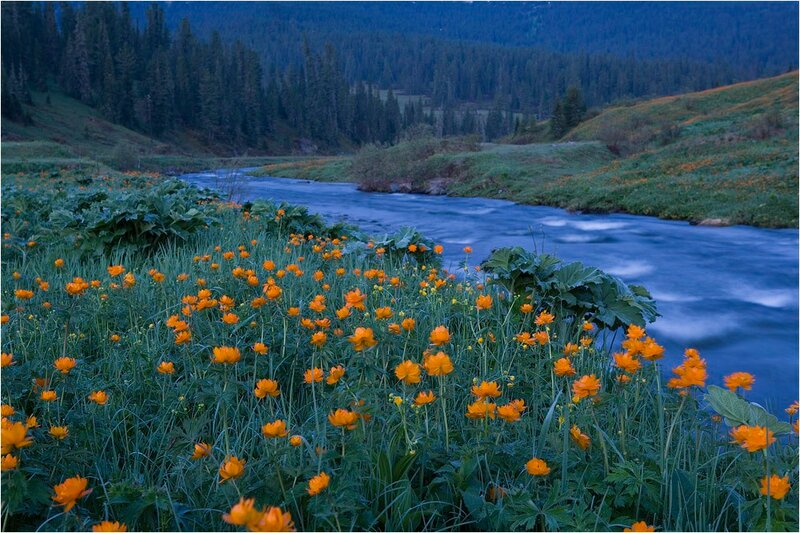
pixel 730 292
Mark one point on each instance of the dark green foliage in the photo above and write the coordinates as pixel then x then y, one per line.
pixel 397 244
pixel 571 288
pixel 98 220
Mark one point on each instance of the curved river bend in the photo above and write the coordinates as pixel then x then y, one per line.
pixel 730 292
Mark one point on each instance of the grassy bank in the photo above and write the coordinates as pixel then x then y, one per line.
pixel 725 156
pixel 173 354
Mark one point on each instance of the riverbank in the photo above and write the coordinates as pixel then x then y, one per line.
pixel 723 157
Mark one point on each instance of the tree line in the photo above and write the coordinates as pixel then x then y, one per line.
pixel 139 73
pixel 157 81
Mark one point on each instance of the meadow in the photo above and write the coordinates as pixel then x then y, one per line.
pixel 723 156
pixel 171 361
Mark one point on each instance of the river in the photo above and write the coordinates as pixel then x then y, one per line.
pixel 730 292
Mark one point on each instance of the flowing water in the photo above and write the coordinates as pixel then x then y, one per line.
pixel 730 292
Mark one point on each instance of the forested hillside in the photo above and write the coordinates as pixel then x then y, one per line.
pixel 283 78
pixel 755 37
pixel 612 50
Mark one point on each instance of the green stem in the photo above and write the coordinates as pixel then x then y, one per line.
pixel 444 414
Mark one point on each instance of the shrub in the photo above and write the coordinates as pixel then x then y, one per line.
pixel 573 289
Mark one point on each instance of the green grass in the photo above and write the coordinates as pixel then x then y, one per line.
pixel 317 168
pixel 724 156
pixel 654 455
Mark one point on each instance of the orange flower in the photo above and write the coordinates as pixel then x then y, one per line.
pixel 757 438
pixel 394 328
pixel 739 434
pixel 318 483
pixel 778 486
pixel 319 339
pixel 652 351
pixel 635 332
pixel 584 387
pixel 107 525
pixel 70 491
pixel 580 438
pixel 355 298
pixel 76 287
pixel 526 308
pixel 267 387
pixel 438 365
pixel 59 432
pixel 383 313
pixel 691 373
pixel 343 418
pixel 260 348
pixel 273 292
pixel 274 429
pixel 424 398
pixel 166 367
pixel 99 397
pixel 65 364
pixel 487 389
pixel 627 362
pixel 129 280
pixel 243 514
pixel 313 375
pixel 570 349
pixel 363 338
pixel 335 374
pixel 508 412
pixel 13 435
pixel 408 372
pixel 273 519
pixel 201 449
pixel 49 395
pixel 115 270
pixel 484 301
pixel 7 360
pixel 467 249
pixel 440 335
pixel 230 318
pixel 9 462
pixel 226 355
pixel 481 409
pixel 519 405
pixel 537 467
pixel 563 367
pixel 58 263
pixel 23 294
pixel 542 337
pixel 743 380
pixel 295 440
pixel 408 324
pixel 639 526
pixel 7 410
pixel 232 468
pixel 791 410
pixel 544 318
pixel 343 313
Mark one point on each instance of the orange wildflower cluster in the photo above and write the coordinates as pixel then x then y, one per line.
pixel 691 373
pixel 245 514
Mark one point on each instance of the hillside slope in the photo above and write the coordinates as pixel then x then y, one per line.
pixel 65 133
pixel 728 154
pixel 724 156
